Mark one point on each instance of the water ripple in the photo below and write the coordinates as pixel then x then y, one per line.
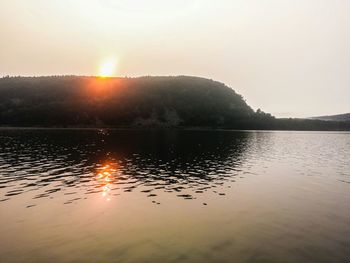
pixel 185 163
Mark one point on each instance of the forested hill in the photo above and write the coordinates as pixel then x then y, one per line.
pixel 182 101
pixel 144 101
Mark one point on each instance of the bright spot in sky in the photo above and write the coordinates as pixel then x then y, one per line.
pixel 107 68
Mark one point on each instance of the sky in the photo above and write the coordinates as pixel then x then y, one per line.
pixel 290 58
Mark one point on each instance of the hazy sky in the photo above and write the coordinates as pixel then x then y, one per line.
pixel 287 57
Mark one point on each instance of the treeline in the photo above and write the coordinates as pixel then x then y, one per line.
pixel 145 101
pixel 295 124
pixel 70 101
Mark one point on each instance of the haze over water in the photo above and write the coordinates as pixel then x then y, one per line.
pixel 277 54
pixel 174 196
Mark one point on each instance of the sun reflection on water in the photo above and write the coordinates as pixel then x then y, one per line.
pixel 105 177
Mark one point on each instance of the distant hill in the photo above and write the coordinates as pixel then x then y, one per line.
pixel 339 117
pixel 166 102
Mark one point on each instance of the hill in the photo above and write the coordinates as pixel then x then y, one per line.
pixel 181 101
pixel 144 101
pixel 338 117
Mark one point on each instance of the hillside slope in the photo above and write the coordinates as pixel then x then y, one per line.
pixel 116 102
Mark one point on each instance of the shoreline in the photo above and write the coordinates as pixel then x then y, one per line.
pixel 166 129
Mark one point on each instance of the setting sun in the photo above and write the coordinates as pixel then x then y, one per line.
pixel 107 68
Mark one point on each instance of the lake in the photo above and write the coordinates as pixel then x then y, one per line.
pixel 85 195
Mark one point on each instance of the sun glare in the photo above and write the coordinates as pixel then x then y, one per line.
pixel 107 68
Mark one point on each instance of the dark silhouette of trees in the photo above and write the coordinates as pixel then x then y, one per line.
pixel 70 101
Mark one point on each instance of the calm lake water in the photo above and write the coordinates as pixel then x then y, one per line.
pixel 174 196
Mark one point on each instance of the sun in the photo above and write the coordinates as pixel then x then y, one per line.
pixel 107 68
